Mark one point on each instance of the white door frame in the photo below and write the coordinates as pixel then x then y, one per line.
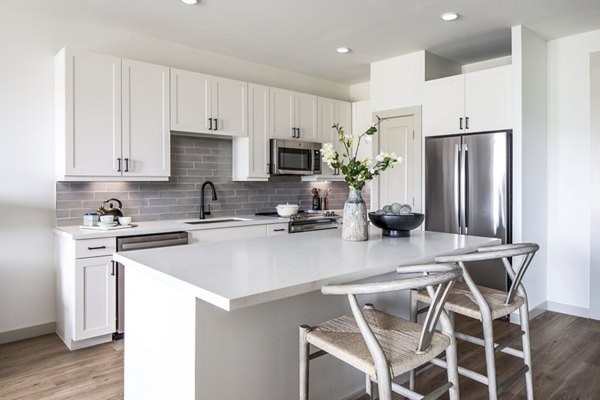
pixel 416 113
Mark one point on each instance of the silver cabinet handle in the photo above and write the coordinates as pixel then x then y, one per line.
pixel 112 271
pixel 127 165
pixel 467 123
pixel 119 164
pixel 216 124
pixel 210 128
pixel 96 248
pixel 460 123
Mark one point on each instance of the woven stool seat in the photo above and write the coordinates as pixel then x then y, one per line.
pixel 399 340
pixel 461 301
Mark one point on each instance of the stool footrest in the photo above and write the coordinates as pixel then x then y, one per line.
pixel 480 342
pixel 504 344
pixel 317 354
pixel 462 371
pixel 512 379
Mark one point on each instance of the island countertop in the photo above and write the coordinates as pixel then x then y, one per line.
pixel 237 274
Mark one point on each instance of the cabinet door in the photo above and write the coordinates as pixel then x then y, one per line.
pixel 95 297
pixel 222 234
pixel 328 115
pixel 93 114
pixel 443 106
pixel 307 117
pixel 190 101
pixel 229 107
pixel 146 132
pixel 259 130
pixel 282 114
pixel 488 99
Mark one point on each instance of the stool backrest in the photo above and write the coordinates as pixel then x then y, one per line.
pixel 442 278
pixel 504 252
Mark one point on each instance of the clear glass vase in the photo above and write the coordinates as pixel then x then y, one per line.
pixel 355 224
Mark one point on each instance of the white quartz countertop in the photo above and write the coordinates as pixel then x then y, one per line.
pixel 143 228
pixel 236 274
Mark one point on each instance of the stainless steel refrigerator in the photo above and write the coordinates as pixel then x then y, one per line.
pixel 468 191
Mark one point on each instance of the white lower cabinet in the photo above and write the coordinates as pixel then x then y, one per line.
pixel 86 291
pixel 95 298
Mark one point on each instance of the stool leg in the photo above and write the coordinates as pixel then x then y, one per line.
pixel 447 323
pixel 304 353
pixel 369 386
pixel 414 304
pixel 488 337
pixel 524 317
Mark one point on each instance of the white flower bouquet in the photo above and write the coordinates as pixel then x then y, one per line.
pixel 356 172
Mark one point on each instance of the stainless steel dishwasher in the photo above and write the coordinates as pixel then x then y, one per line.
pixel 140 242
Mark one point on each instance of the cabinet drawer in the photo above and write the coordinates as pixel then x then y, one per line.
pixel 95 247
pixel 278 229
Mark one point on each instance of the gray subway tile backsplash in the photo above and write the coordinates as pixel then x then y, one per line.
pixel 193 161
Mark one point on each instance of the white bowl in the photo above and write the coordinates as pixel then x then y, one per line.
pixel 124 220
pixel 107 219
pixel 287 210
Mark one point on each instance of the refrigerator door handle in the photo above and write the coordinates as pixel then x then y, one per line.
pixel 458 187
pixel 463 190
pixel 466 187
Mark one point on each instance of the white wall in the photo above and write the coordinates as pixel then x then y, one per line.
pixel 360 91
pixel 28 42
pixel 530 156
pixel 569 166
pixel 398 82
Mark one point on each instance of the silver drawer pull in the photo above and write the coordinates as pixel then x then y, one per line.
pixel 96 248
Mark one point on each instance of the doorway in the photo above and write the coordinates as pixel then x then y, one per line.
pixel 399 132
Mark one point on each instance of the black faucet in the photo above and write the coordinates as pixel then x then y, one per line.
pixel 204 213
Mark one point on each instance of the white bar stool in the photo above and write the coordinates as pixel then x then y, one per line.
pixel 486 305
pixel 384 346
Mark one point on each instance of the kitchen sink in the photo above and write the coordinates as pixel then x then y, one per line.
pixel 215 221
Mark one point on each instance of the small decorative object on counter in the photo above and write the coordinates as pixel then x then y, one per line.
pixel 107 208
pixel 316 201
pixel 90 219
pixel 356 174
pixel 396 220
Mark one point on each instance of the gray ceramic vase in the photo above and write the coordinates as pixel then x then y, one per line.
pixel 355 223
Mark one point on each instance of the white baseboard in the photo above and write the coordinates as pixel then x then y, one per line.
pixel 28 332
pixel 568 309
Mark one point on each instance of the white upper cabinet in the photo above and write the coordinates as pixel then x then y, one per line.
pixel 282 107
pixel 229 107
pixel 208 104
pixel 294 115
pixel 190 101
pixel 251 154
pixel 473 102
pixel 146 132
pixel 333 112
pixel 112 119
pixel 307 117
pixel 488 99
pixel 444 105
pixel 88 114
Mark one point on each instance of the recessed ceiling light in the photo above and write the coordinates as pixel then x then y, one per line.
pixel 189 2
pixel 449 16
pixel 343 50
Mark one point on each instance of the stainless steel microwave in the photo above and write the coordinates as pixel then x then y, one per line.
pixel 294 157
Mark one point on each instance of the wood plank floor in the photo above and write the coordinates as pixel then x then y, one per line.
pixel 566 364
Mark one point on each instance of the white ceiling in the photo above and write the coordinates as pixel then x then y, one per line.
pixel 302 35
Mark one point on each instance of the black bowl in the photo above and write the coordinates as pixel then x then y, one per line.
pixel 396 225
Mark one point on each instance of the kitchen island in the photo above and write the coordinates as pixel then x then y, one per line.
pixel 220 320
